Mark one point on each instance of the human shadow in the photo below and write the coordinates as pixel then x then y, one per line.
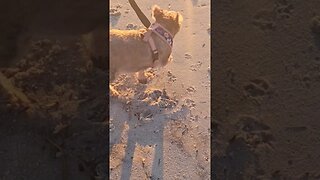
pixel 143 131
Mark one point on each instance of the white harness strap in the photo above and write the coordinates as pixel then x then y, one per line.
pixel 148 38
pixel 163 33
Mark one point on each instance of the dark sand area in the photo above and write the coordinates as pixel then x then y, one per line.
pixel 266 98
pixel 53 106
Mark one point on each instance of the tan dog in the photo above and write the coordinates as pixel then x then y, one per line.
pixel 130 54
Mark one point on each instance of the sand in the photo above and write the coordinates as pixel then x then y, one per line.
pixel 53 110
pixel 265 94
pixel 53 120
pixel 161 130
pixel 266 89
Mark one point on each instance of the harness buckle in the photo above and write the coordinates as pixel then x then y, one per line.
pixel 155 55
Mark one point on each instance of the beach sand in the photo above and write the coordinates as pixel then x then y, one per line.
pixel 53 110
pixel 266 89
pixel 161 130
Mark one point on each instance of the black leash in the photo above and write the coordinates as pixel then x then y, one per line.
pixel 145 21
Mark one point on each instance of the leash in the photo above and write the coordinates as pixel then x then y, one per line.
pixel 145 21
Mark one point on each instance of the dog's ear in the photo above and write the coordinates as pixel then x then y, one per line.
pixel 157 12
pixel 179 19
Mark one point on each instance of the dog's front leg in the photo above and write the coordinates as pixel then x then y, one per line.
pixel 142 78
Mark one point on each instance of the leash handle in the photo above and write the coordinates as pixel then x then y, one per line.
pixel 145 21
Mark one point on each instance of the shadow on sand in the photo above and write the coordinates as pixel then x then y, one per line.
pixel 142 132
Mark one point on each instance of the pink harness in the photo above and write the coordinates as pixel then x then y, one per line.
pixel 163 33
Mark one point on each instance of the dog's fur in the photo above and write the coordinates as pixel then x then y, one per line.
pixel 94 48
pixel 129 53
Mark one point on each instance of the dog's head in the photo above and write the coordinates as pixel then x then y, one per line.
pixel 171 20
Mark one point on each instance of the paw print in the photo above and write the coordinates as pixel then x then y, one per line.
pixel 256 88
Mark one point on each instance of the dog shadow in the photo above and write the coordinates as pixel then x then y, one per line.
pixel 142 132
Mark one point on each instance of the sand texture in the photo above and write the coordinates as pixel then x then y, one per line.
pixel 266 89
pixel 160 130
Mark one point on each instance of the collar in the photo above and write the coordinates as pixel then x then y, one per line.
pixel 163 33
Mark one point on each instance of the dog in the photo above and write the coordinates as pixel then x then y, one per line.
pixel 94 45
pixel 133 51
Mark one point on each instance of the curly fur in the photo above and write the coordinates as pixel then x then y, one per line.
pixel 129 53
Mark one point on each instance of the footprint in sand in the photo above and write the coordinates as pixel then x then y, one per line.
pixel 195 67
pixel 251 124
pixel 264 20
pixel 283 8
pixel 115 12
pixel 187 56
pixel 172 78
pixel 191 89
pixel 254 132
pixel 256 88
pixel 189 103
pixel 202 5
